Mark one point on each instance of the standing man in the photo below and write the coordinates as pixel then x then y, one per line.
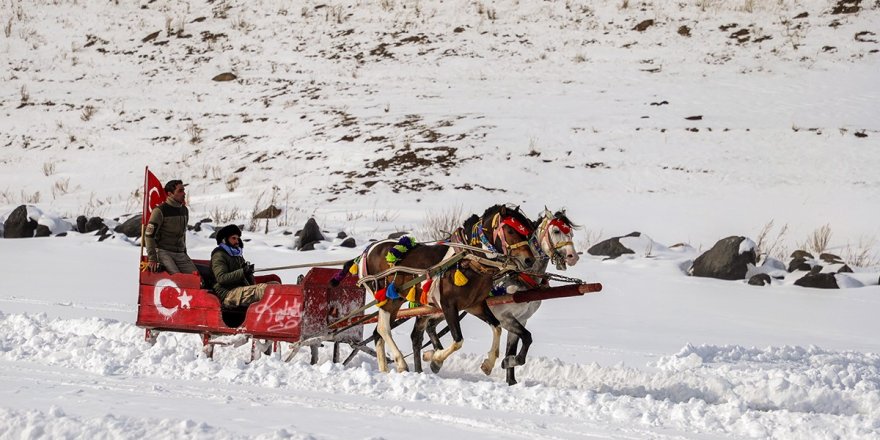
pixel 165 234
pixel 235 276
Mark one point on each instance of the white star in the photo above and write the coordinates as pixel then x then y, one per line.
pixel 184 299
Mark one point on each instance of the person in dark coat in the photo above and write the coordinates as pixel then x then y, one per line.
pixel 235 276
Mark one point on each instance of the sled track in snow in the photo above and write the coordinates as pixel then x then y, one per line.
pixel 726 390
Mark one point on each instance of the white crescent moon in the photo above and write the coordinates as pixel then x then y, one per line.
pixel 150 193
pixel 157 297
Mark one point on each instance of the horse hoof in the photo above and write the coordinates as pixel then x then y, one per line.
pixel 435 366
pixel 402 369
pixel 510 362
pixel 512 382
pixel 428 356
pixel 486 367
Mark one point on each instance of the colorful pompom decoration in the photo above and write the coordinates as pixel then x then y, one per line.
pixel 353 269
pixel 411 295
pixel 396 253
pixel 379 295
pixel 459 278
pixel 391 292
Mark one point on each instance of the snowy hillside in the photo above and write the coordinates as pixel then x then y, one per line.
pixel 689 121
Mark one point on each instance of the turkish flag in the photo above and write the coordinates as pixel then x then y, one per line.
pixel 154 194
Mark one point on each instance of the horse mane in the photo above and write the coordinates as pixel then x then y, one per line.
pixel 509 210
pixel 470 222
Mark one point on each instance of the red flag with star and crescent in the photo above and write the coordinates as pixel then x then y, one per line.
pixel 154 195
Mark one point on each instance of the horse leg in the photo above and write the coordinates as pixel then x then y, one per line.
pixel 384 329
pixel 431 329
pixel 485 314
pixel 451 315
pixel 516 328
pixel 380 347
pixel 418 336
pixel 512 342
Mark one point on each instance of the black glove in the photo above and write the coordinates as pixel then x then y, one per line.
pixel 248 269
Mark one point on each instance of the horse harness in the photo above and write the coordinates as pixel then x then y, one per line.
pixel 543 232
pixel 478 234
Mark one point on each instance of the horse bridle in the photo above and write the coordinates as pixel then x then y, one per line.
pixel 556 257
pixel 516 225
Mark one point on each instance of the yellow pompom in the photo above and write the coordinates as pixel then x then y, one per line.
pixel 459 278
pixel 381 303
pixel 353 269
pixel 411 295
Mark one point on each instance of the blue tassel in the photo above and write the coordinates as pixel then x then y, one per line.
pixel 391 292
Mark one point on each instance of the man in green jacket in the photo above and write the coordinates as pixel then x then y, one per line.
pixel 235 277
pixel 165 234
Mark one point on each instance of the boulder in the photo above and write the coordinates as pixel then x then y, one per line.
pixel 19 225
pixel 818 281
pixel 94 224
pixel 309 235
pixel 81 224
pixel 612 248
pixel 131 227
pixel 729 259
pixel 341 235
pixel 761 279
pixel 830 258
pixel 801 260
pixel 42 231
pixel 103 233
pixel 348 242
pixel 398 234
pixel 271 212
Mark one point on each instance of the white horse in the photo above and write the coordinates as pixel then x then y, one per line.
pixel 552 242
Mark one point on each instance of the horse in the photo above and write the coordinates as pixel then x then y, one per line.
pixel 551 241
pixel 496 219
pixel 445 289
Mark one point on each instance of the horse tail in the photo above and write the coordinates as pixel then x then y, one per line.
pixel 346 268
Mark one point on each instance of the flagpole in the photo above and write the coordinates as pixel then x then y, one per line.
pixel 143 212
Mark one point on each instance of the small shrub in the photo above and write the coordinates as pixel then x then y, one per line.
pixel 60 187
pixel 772 247
pixel 48 168
pixel 222 216
pixel 438 225
pixel 819 239
pixel 580 58
pixel 588 239
pixel 7 29
pixel 385 215
pixel 195 133
pixel 87 113
pixel 25 95
pixel 30 198
pixel 232 183
pixel 862 254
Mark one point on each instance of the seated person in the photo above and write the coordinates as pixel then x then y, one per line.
pixel 235 277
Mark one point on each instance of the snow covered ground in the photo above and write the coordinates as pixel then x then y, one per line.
pixel 377 116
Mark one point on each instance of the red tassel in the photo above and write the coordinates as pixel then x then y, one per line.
pixel 380 295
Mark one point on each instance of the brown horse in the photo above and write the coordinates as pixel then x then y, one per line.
pixel 509 229
pixel 551 239
pixel 444 291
